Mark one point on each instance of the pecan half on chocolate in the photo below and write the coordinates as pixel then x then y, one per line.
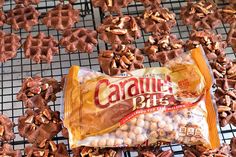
pixel 201 14
pixel 119 30
pixel 49 149
pixel 163 48
pixel 212 44
pixel 40 125
pixel 37 91
pixel 120 59
pixel 157 20
pixel 6 129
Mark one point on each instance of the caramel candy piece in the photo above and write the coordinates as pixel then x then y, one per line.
pixel 163 48
pixel 6 129
pixel 120 59
pixel 49 149
pixel 40 47
pixel 37 91
pixel 202 14
pixel 10 45
pixel 81 39
pixel 23 17
pixel 212 44
pixel 40 125
pixel 62 17
pixel 119 30
pixel 7 151
pixel 112 6
pixel 157 20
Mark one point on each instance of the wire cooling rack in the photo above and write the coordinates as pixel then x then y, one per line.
pixel 15 70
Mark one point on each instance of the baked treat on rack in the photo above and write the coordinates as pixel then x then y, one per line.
pixel 27 2
pixel 6 129
pixel 2 18
pixel 112 6
pixel 79 39
pixel 47 149
pixel 231 38
pixel 120 59
pixel 6 150
pixel 224 71
pixel 10 43
pixel 212 43
pixel 157 20
pixel 152 3
pixel 40 125
pixel 119 30
pixel 23 17
pixel 199 151
pixel 40 47
pixel 62 17
pixel 201 14
pixel 163 48
pixel 228 14
pixel 37 91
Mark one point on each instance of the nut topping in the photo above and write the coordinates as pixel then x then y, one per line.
pixel 122 58
pixel 37 91
pixel 119 30
pixel 157 20
pixel 37 128
pixel 200 14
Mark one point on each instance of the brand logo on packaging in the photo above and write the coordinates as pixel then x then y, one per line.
pixel 143 92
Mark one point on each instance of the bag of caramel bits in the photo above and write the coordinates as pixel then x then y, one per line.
pixel 142 107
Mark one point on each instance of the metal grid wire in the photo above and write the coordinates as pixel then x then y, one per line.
pixel 14 71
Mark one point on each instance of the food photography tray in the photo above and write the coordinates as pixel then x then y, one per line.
pixel 56 64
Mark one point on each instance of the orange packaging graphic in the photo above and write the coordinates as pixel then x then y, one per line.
pixel 142 107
